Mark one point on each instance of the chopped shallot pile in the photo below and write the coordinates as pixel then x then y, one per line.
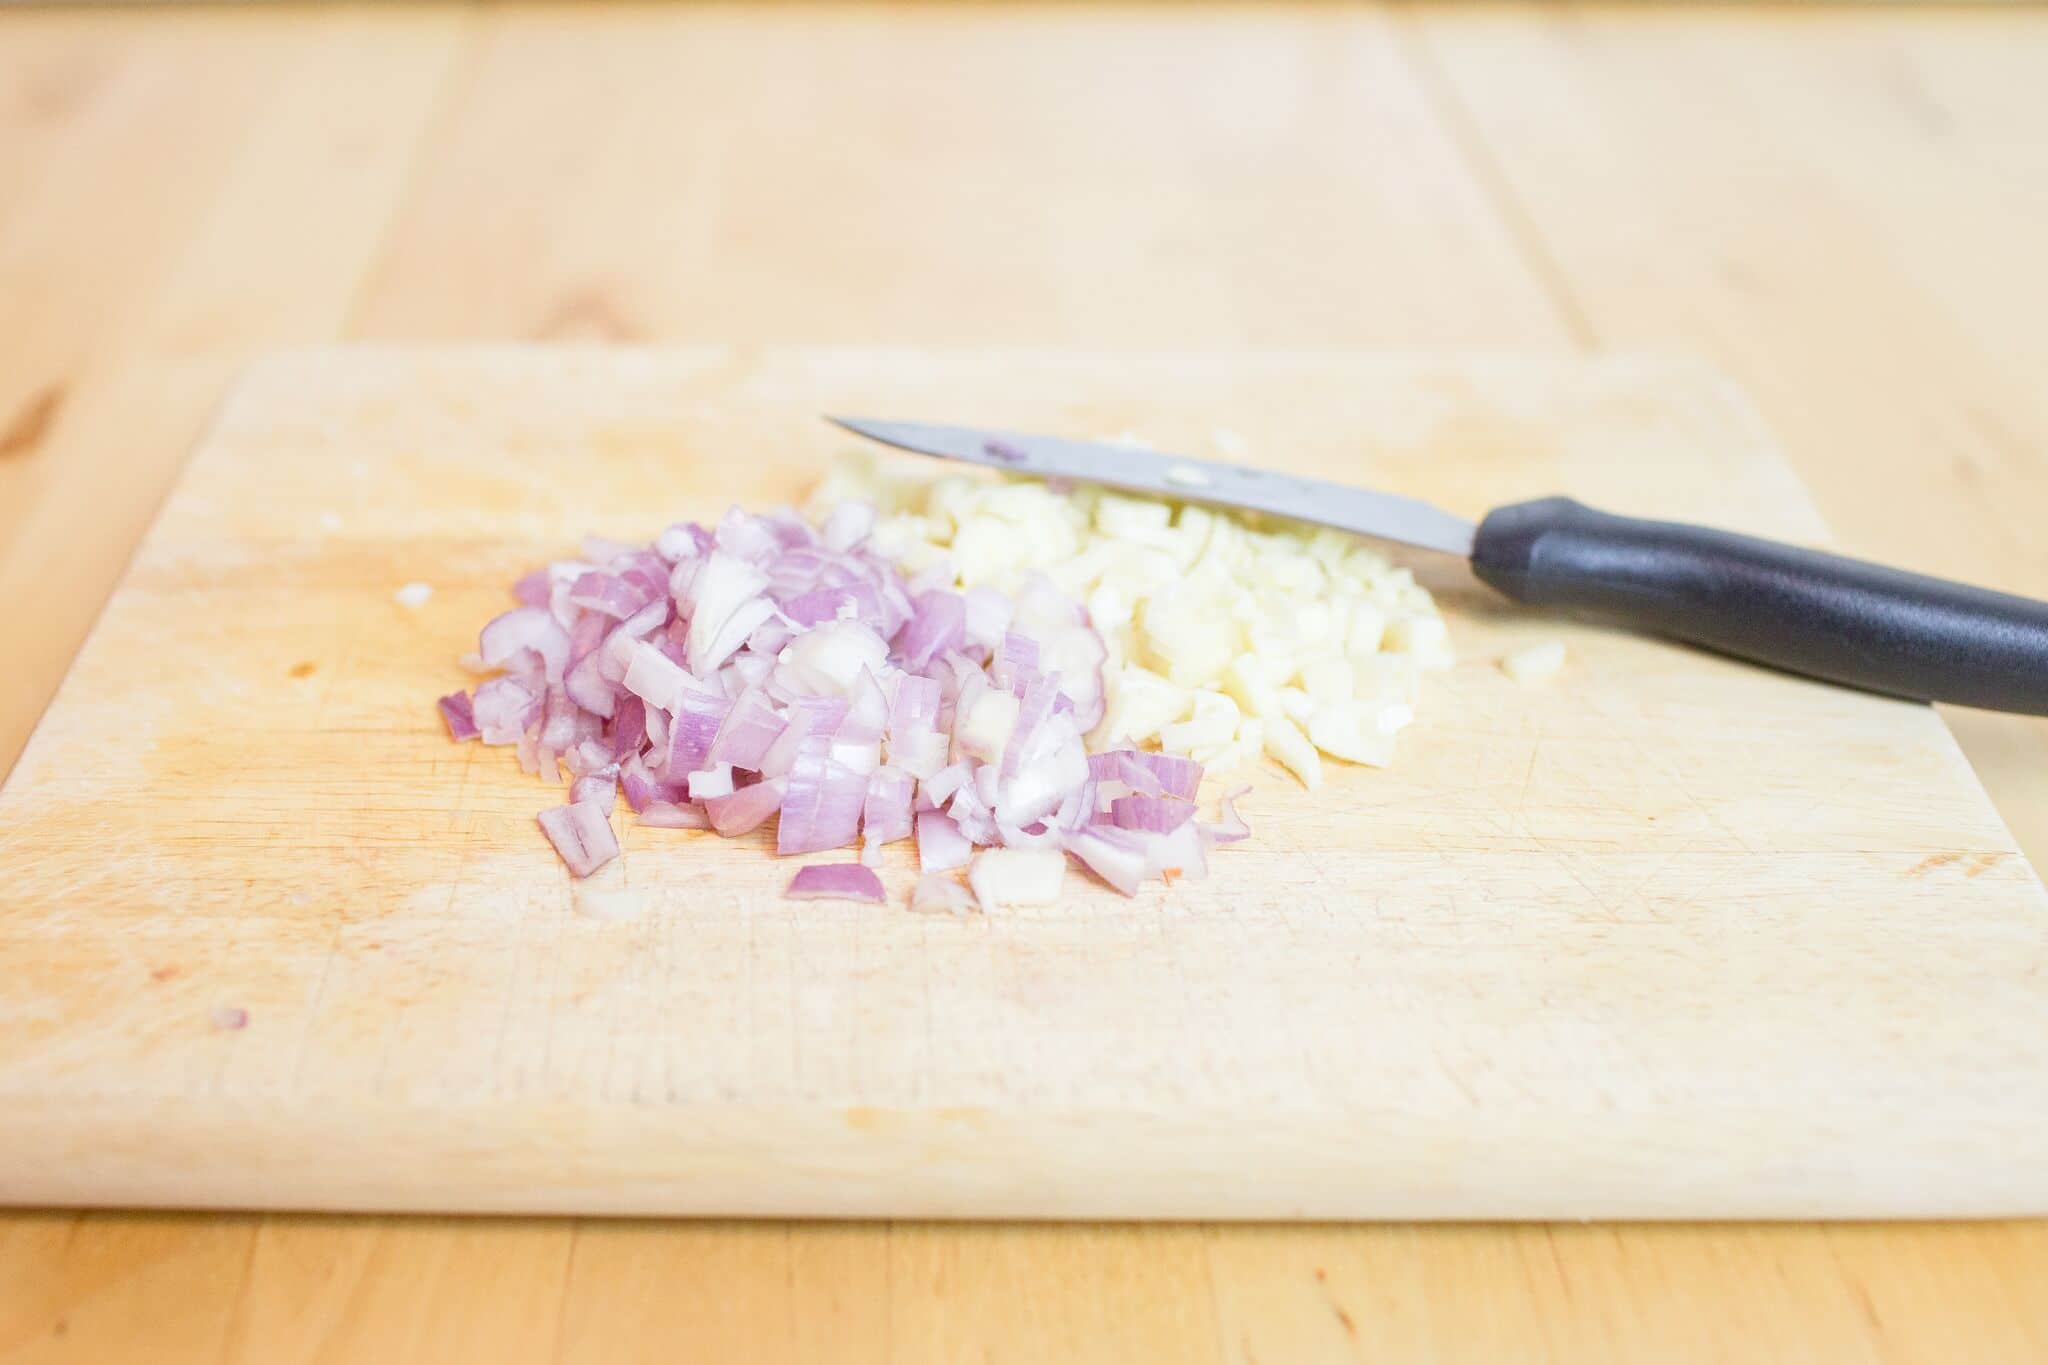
pixel 767 669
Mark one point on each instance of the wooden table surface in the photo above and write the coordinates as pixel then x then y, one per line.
pixel 1842 207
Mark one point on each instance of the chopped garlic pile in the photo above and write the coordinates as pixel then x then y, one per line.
pixel 1228 635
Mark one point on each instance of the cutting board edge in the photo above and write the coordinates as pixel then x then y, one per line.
pixel 833 1162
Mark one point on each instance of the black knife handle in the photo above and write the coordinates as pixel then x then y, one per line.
pixel 1883 630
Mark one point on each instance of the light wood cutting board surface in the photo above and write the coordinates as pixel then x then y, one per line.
pixel 1670 937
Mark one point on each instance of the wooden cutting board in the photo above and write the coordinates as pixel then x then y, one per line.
pixel 1670 937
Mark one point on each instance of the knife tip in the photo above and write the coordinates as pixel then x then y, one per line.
pixel 971 444
pixel 872 429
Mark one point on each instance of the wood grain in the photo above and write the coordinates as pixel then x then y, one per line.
pixel 1865 105
pixel 210 191
pixel 1679 177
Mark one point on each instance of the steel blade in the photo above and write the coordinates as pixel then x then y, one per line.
pixel 1388 516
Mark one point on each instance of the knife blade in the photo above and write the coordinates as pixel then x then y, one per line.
pixel 1790 607
pixel 1387 516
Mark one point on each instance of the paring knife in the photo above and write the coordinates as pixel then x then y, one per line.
pixel 1827 616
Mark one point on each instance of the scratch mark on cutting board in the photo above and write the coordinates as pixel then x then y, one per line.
pixel 32 423
pixel 1520 822
pixel 312 1023
pixel 1457 1078
pixel 1930 863
pixel 217 1079
pixel 584 315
